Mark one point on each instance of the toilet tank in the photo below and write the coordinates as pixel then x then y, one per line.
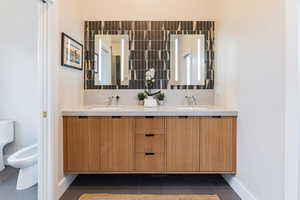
pixel 7 130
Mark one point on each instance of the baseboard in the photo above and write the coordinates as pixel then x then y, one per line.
pixel 239 188
pixel 64 184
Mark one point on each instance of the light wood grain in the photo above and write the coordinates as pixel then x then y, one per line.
pixel 193 145
pixel 153 125
pixel 182 144
pixel 217 144
pixel 154 143
pixel 149 163
pixel 146 172
pixel 117 150
pixel 76 144
pixel 95 125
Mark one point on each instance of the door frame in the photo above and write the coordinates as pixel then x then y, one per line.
pixel 47 123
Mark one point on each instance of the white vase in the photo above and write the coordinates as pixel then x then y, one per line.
pixel 150 102
pixel 162 102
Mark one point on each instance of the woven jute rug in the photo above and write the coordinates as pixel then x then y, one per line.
pixel 146 197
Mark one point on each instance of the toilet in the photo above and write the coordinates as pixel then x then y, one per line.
pixel 6 137
pixel 26 160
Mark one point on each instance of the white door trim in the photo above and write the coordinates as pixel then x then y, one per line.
pixel 45 139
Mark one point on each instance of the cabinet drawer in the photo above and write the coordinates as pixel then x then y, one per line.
pixel 149 143
pixel 149 125
pixel 149 162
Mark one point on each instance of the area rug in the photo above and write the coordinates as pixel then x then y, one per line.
pixel 146 197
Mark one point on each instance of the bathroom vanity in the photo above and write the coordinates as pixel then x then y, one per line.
pixel 165 140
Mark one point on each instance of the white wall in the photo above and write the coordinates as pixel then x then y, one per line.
pixel 292 100
pixel 129 97
pixel 19 89
pixel 148 10
pixel 251 76
pixel 70 81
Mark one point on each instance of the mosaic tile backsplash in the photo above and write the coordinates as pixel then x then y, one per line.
pixel 149 47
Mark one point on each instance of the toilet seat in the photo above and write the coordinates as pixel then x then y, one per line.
pixel 24 158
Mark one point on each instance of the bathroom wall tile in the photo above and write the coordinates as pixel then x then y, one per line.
pixel 149 47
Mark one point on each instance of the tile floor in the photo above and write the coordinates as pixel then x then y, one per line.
pixel 8 180
pixel 150 184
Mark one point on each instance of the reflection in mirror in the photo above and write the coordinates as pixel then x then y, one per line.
pixel 112 60
pixel 188 60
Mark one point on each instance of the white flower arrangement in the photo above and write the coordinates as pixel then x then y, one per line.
pixel 149 76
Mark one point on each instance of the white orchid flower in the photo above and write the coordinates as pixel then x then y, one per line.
pixel 152 72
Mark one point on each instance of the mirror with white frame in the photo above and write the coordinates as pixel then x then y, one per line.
pixel 111 60
pixel 188 60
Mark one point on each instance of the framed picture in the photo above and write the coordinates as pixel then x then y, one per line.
pixel 96 63
pixel 71 52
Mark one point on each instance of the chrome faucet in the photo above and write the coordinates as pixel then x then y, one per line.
pixel 191 99
pixel 117 99
pixel 110 100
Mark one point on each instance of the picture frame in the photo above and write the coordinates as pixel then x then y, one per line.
pixel 71 52
pixel 96 62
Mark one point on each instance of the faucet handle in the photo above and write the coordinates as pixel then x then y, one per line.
pixel 118 98
pixel 109 100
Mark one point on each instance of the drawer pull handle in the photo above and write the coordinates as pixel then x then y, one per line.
pixel 183 117
pixel 149 154
pixel 150 117
pixel 116 117
pixel 149 135
pixel 216 116
pixel 83 117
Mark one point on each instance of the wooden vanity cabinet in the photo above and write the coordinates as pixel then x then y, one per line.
pixel 98 144
pixel 218 144
pixel 116 144
pixel 77 151
pixel 182 144
pixel 150 145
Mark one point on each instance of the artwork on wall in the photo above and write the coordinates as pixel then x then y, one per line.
pixel 96 62
pixel 71 52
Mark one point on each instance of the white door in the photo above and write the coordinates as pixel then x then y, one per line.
pixel 46 140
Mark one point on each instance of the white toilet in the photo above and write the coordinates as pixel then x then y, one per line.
pixel 25 159
pixel 6 137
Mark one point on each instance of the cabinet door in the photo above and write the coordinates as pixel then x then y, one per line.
pixel 81 144
pixel 117 149
pixel 182 144
pixel 218 144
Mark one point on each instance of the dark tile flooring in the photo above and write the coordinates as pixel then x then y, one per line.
pixel 150 184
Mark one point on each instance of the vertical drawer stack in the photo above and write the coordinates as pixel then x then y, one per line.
pixel 150 144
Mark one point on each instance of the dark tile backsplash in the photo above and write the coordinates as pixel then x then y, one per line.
pixel 149 47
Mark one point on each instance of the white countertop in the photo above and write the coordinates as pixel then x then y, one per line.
pixel 134 110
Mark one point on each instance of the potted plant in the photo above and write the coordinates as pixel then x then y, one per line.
pixel 141 97
pixel 150 101
pixel 160 97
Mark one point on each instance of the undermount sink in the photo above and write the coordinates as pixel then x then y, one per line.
pixel 191 107
pixel 103 108
pixel 127 107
